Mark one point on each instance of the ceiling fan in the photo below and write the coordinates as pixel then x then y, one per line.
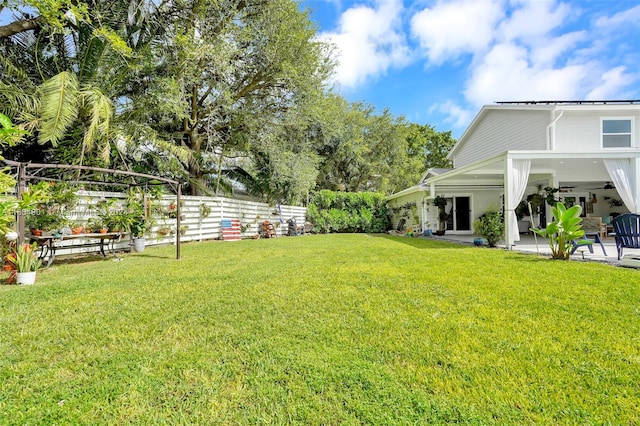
pixel 608 185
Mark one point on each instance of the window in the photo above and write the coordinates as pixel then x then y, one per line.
pixel 616 133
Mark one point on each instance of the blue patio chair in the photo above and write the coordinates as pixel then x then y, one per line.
pixel 626 228
pixel 589 239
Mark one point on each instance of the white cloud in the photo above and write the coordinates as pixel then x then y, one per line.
pixel 532 20
pixel 451 29
pixel 369 41
pixel 612 84
pixel 549 50
pixel 505 74
pixel 620 20
pixel 456 115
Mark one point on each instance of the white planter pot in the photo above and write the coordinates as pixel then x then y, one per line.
pixel 26 278
pixel 138 245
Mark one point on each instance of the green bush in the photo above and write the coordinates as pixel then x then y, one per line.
pixel 491 226
pixel 331 211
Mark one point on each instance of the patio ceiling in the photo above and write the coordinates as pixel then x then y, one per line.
pixel 589 171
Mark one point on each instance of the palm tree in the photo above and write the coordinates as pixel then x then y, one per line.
pixel 65 87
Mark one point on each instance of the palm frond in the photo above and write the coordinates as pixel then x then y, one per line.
pixel 59 108
pixel 182 153
pixel 11 71
pixel 202 187
pixel 91 58
pixel 144 136
pixel 15 101
pixel 99 109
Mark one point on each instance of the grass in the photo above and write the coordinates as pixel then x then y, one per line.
pixel 338 329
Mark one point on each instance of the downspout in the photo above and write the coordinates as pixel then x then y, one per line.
pixel 551 143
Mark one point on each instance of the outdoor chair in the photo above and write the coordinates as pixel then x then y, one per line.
pixel 591 224
pixel 626 228
pixel 590 238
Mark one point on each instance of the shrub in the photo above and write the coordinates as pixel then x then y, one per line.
pixel 491 226
pixel 331 211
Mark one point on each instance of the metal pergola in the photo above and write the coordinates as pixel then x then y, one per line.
pixel 89 176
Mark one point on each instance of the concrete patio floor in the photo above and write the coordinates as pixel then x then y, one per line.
pixel 527 244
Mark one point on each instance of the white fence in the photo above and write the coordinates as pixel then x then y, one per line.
pixel 201 218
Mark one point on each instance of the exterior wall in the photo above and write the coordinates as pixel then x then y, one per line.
pixel 481 200
pixel 581 130
pixel 501 130
pixel 417 198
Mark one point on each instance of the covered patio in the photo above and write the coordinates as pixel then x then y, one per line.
pixel 527 244
pixel 604 183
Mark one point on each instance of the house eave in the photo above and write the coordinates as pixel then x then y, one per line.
pixel 408 191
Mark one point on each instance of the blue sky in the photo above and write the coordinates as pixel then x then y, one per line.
pixel 437 62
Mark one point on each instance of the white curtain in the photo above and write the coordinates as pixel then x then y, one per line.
pixel 621 173
pixel 518 177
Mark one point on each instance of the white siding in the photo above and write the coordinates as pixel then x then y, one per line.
pixel 483 200
pixel 416 197
pixel 502 130
pixel 580 130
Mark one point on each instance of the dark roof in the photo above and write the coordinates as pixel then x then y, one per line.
pixel 607 102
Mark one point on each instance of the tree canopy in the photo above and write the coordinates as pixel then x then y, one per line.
pixel 222 94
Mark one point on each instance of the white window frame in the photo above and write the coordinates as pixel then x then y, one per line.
pixel 631 133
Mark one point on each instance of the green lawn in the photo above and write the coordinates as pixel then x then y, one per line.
pixel 338 329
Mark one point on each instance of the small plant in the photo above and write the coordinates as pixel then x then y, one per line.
pixel 441 203
pixel 205 210
pixel 491 226
pixel 95 225
pixel 414 214
pixel 24 258
pixel 565 228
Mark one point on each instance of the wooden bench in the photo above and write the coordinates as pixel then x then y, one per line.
pixel 48 244
pixel 627 231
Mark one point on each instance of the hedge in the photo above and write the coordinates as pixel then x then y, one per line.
pixel 331 211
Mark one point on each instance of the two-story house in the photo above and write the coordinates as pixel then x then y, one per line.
pixel 590 150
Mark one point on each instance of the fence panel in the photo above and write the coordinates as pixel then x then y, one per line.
pixel 201 218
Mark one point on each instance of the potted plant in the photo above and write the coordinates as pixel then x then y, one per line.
pixel 139 209
pixel 26 263
pixel 138 227
pixel 51 201
pixel 441 203
pixel 77 228
pixel 164 230
pixel 96 225
pixel 490 226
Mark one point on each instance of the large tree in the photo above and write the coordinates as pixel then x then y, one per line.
pixel 359 148
pixel 231 73
pixel 218 92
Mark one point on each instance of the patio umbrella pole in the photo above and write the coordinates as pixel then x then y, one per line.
pixel 535 236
